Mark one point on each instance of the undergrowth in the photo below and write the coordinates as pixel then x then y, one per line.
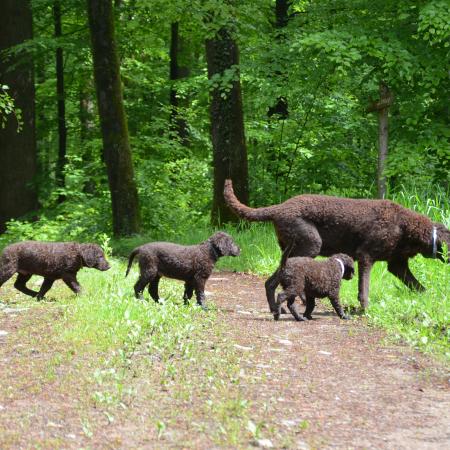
pixel 109 316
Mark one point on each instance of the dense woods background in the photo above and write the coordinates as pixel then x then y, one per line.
pixel 126 116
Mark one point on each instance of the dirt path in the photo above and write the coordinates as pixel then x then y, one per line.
pixel 311 385
pixel 333 377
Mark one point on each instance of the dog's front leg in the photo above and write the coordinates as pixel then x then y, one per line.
pixel 293 309
pixel 400 269
pixel 281 298
pixel 45 287
pixel 364 267
pixel 334 299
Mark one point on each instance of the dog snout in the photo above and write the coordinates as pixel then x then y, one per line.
pixel 104 265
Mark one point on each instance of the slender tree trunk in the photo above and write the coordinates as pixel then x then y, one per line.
pixel 62 129
pixel 86 113
pixel 177 123
pixel 280 109
pixel 382 150
pixel 116 147
pixel 227 126
pixel 86 110
pixel 18 159
pixel 382 108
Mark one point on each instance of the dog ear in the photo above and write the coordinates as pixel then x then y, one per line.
pixel 224 244
pixel 89 255
pixel 349 270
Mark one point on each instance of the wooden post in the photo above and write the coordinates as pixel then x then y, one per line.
pixel 382 106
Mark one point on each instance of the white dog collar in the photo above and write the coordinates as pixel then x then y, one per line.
pixel 434 242
pixel 342 266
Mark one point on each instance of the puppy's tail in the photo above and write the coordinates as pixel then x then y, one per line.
pixel 130 260
pixel 284 257
pixel 244 211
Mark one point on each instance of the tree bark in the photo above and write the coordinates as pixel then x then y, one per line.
pixel 60 95
pixel 116 147
pixel 177 124
pixel 280 109
pixel 382 107
pixel 18 159
pixel 227 126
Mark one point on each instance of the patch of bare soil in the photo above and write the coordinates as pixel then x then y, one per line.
pixel 321 384
pixel 335 379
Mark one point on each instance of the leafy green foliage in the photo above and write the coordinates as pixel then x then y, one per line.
pixel 7 108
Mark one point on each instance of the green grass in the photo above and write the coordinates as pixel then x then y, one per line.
pixel 107 315
pixel 421 319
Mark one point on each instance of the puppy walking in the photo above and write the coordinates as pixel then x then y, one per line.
pixel 193 264
pixel 310 279
pixel 51 260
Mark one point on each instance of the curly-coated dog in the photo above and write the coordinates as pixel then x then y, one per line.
pixel 310 279
pixel 366 230
pixel 193 264
pixel 51 260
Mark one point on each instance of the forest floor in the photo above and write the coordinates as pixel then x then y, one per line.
pixel 320 384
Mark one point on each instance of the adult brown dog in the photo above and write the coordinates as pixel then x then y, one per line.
pixel 366 230
pixel 51 260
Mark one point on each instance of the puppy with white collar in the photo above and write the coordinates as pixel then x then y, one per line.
pixel 310 279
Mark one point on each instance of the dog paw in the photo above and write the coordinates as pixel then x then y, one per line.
pixel 276 316
pixel 307 317
pixel 345 317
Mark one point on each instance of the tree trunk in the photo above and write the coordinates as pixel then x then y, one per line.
pixel 178 125
pixel 280 109
pixel 382 107
pixel 227 126
pixel 116 147
pixel 382 150
pixel 62 129
pixel 18 159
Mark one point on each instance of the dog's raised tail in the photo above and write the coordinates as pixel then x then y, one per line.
pixel 130 260
pixel 244 211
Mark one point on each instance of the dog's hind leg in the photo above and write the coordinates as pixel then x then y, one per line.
pixel 188 292
pixel 305 234
pixel 271 285
pixel 5 275
pixel 199 287
pixel 20 285
pixel 153 288
pixel 400 269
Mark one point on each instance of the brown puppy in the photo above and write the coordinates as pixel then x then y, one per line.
pixel 192 264
pixel 51 260
pixel 367 230
pixel 310 279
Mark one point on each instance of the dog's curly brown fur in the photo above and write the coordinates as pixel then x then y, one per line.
pixel 310 279
pixel 367 230
pixel 51 260
pixel 193 264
